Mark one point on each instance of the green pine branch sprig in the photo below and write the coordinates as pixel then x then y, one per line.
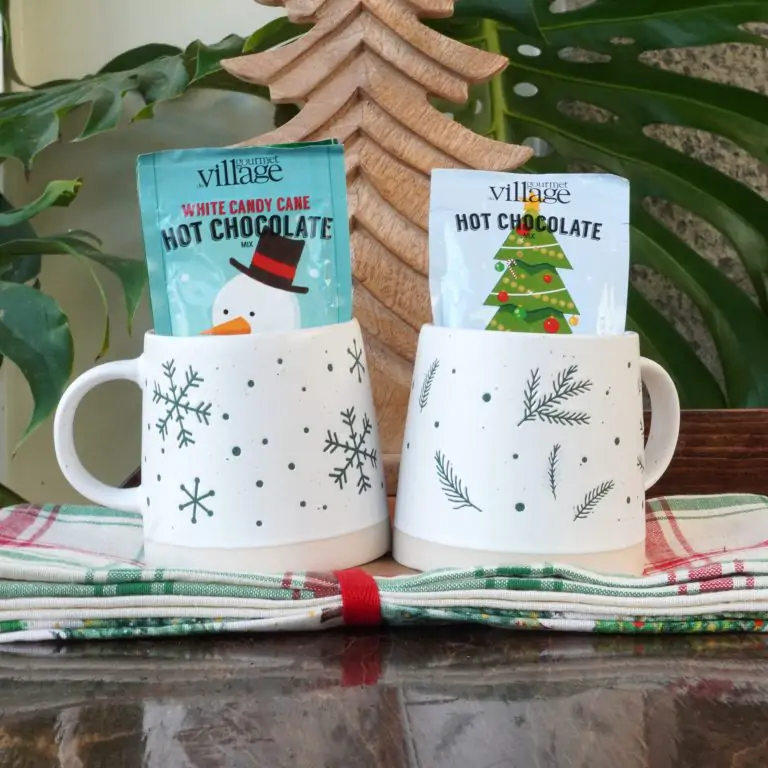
pixel 592 499
pixel 426 387
pixel 453 488
pixel 564 387
pixel 552 462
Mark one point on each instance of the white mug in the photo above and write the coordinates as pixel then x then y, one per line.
pixel 259 452
pixel 524 448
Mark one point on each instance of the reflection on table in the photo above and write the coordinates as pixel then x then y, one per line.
pixel 440 698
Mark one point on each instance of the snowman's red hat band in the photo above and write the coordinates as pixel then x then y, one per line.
pixel 272 266
pixel 274 262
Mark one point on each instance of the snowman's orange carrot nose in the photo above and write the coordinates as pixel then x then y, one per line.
pixel 237 325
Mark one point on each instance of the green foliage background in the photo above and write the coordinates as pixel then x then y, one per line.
pixel 589 55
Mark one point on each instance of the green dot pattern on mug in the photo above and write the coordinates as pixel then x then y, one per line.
pixel 291 466
pixel 306 430
pixel 487 397
pixel 629 500
pixel 279 360
pixel 330 366
pixel 303 504
pixel 617 441
pixel 159 478
pixel 251 383
pixel 259 483
pixel 515 455
pixel 437 424
pixel 236 451
pixel 520 507
pixel 225 417
pixel 259 523
pixel 264 441
pixel 583 459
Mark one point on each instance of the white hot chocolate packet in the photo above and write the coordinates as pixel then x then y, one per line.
pixel 532 253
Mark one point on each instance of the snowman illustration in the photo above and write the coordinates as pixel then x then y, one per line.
pixel 263 297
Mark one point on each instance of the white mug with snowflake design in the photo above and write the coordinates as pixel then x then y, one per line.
pixel 527 448
pixel 260 452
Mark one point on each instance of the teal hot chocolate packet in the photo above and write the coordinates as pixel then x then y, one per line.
pixel 246 240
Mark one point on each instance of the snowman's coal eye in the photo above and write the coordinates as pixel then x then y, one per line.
pixel 253 314
pixel 226 311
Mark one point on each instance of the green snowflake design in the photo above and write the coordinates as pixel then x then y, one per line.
pixel 178 408
pixel 196 499
pixel 357 361
pixel 356 451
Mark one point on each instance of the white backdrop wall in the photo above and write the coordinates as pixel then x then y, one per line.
pixel 54 39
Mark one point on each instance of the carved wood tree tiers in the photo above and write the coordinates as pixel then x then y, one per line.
pixel 363 74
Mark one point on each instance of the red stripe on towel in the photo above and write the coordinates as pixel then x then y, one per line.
pixel 672 520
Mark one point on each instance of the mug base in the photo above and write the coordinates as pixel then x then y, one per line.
pixel 334 554
pixel 422 555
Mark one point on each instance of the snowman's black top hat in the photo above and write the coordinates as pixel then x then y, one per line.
pixel 274 262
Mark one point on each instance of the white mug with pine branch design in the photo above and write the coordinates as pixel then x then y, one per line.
pixel 523 448
pixel 260 451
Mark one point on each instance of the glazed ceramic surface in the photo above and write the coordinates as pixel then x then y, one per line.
pixel 527 443
pixel 248 441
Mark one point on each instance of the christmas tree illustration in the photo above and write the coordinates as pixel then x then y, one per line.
pixel 530 294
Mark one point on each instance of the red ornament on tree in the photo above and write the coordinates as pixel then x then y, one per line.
pixel 547 278
pixel 503 296
pixel 551 325
pixel 523 231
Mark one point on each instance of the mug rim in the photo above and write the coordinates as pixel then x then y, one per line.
pixel 593 337
pixel 264 335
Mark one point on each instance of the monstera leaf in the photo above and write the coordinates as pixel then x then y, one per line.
pixel 34 330
pixel 592 56
pixel 35 334
pixel 30 120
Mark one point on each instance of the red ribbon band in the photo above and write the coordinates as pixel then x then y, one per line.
pixel 360 600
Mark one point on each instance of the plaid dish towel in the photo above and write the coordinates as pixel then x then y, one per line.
pixel 72 572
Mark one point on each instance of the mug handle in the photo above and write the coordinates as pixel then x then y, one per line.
pixel 665 420
pixel 124 499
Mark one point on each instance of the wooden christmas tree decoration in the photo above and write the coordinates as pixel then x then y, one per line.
pixel 363 74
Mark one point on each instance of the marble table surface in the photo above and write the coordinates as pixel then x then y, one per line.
pixel 446 697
